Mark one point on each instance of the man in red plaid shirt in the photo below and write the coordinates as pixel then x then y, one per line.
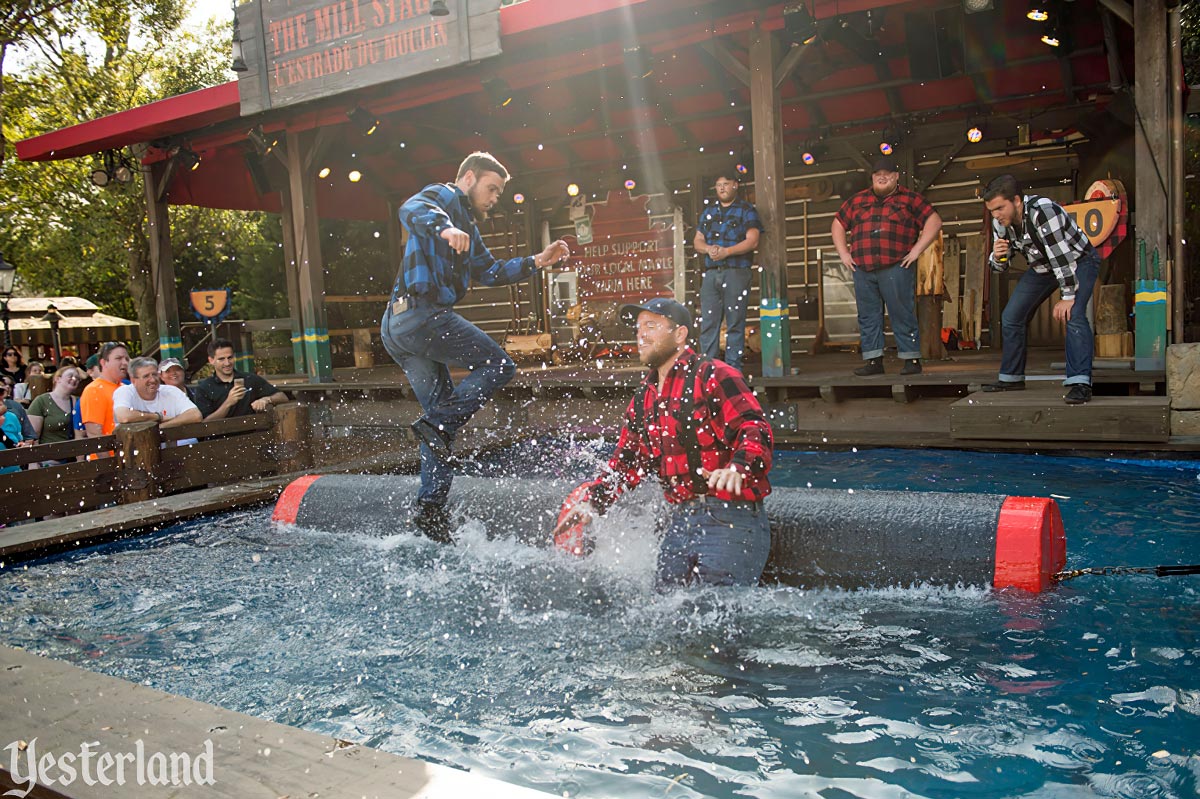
pixel 889 227
pixel 696 425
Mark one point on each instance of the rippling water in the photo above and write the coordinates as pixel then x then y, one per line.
pixel 576 677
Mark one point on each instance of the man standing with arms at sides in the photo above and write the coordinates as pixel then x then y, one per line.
pixel 889 227
pixel 229 392
pixel 726 237
pixel 422 332
pixel 96 404
pixel 696 425
pixel 1061 257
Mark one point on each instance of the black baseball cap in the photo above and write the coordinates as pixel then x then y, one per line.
pixel 676 311
pixel 885 164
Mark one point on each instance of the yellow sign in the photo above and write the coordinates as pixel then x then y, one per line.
pixel 1098 218
pixel 210 304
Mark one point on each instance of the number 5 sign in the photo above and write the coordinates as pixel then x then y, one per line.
pixel 211 306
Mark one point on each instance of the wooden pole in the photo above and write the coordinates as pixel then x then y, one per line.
pixel 137 457
pixel 162 259
pixel 769 200
pixel 307 236
pixel 293 436
pixel 291 271
pixel 1151 87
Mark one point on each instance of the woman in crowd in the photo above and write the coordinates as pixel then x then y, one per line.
pixel 21 390
pixel 13 365
pixel 10 428
pixel 51 412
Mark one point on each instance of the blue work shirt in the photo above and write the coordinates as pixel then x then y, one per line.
pixel 726 226
pixel 434 271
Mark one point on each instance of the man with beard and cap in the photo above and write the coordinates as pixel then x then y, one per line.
pixel 422 332
pixel 696 425
pixel 725 239
pixel 888 227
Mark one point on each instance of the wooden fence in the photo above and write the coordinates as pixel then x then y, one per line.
pixel 140 461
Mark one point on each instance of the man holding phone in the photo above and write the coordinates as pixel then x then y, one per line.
pixel 230 392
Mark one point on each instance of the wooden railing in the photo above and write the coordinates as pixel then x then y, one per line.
pixel 141 468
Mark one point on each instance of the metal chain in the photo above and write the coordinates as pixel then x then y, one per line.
pixel 1105 571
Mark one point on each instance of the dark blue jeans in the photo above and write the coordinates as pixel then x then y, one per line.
pixel 713 542
pixel 426 340
pixel 894 287
pixel 724 293
pixel 1031 291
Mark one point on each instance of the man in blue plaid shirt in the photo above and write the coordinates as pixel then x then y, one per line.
pixel 1060 258
pixel 423 334
pixel 725 240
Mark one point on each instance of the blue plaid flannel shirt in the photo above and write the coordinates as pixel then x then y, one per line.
pixel 430 267
pixel 1057 247
pixel 726 226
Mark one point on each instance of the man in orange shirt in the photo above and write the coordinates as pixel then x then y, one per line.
pixel 96 404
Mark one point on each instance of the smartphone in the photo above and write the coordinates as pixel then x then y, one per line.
pixel 239 382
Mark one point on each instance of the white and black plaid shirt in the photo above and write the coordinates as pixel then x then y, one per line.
pixel 1058 245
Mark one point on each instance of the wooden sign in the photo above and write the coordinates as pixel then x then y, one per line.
pixel 211 306
pixel 301 50
pixel 627 260
pixel 1097 219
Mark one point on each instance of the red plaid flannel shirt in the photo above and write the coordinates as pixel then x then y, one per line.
pixel 732 430
pixel 882 230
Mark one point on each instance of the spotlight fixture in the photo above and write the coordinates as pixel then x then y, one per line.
pixel 518 198
pixel 188 158
pixel 975 6
pixel 638 62
pixel 886 148
pixel 366 122
pixel 100 177
pixel 1050 37
pixel 1037 12
pixel 324 173
pixel 355 176
pixel 974 134
pixel 437 8
pixel 800 25
pixel 572 189
pixel 630 184
pixel 889 140
pixel 498 91
pixel 264 143
pixel 808 158
pixel 742 169
pixel 124 172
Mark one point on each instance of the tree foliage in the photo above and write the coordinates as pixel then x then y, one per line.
pixel 89 58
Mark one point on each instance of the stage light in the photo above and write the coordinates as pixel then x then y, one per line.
pixel 498 91
pixel 188 158
pixel 631 184
pixel 572 189
pixel 886 148
pixel 638 62
pixel 800 25
pixel 355 176
pixel 808 158
pixel 1051 38
pixel 263 143
pixel 974 135
pixel 742 169
pixel 1037 12
pixel 518 198
pixel 324 173
pixel 123 173
pixel 100 177
pixel 437 8
pixel 975 6
pixel 366 122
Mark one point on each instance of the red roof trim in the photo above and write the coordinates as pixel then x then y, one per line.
pixel 541 13
pixel 194 110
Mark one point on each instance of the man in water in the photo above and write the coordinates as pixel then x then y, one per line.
pixel 697 426
pixel 422 332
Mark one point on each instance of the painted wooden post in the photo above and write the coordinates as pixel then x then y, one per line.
pixel 1152 132
pixel 293 436
pixel 291 273
pixel 138 456
pixel 307 237
pixel 162 258
pixel 769 200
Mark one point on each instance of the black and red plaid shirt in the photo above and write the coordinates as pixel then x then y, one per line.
pixel 730 426
pixel 882 230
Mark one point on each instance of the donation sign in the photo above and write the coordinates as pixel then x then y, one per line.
pixel 627 260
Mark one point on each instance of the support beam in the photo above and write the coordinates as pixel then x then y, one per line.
pixel 307 238
pixel 1152 131
pixel 767 136
pixel 1121 10
pixel 951 153
pixel 1178 272
pixel 291 271
pixel 720 51
pixel 162 260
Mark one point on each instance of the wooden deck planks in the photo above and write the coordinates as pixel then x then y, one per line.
pixel 1042 415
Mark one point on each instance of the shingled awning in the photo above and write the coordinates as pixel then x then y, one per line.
pixel 82 322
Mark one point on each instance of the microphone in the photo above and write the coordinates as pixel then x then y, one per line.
pixel 1003 259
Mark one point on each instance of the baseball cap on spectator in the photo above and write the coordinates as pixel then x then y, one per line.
pixel 885 164
pixel 92 362
pixel 167 363
pixel 663 306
